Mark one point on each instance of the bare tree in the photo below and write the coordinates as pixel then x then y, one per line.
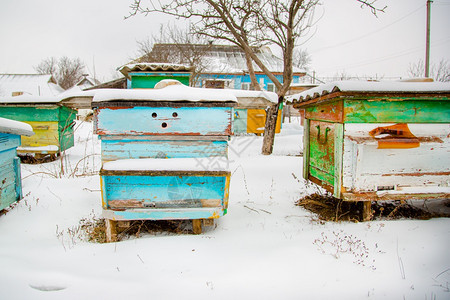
pixel 175 45
pixel 66 71
pixel 301 59
pixel 249 23
pixel 439 72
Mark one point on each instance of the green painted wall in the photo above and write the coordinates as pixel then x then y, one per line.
pixel 30 113
pixel 149 81
pixel 397 111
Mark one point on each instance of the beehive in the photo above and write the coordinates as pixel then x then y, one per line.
pixel 164 152
pixel 366 141
pixel 10 175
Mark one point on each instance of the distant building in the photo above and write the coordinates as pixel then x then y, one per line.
pixel 28 84
pixel 87 82
pixel 222 66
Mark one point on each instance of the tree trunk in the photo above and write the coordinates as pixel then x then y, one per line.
pixel 251 71
pixel 271 124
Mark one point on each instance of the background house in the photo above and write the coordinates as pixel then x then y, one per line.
pixel 28 84
pixel 220 66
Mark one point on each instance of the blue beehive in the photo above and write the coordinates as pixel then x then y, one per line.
pixel 10 178
pixel 164 153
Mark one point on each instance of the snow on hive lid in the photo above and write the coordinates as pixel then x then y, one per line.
pixel 153 67
pixel 171 91
pixel 15 127
pixel 382 87
pixel 271 96
pixel 206 164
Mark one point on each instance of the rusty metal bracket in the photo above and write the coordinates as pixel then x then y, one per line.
pixel 325 137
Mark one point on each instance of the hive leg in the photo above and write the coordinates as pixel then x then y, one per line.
pixel 367 211
pixel 197 226
pixel 111 231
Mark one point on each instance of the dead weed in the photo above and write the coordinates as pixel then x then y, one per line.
pixel 328 208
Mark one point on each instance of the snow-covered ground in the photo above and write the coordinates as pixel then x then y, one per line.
pixel 264 248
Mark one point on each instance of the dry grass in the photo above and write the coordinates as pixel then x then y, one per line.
pixel 328 208
pixel 94 229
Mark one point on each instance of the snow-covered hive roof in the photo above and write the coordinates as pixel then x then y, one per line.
pixel 15 127
pixel 153 67
pixel 28 84
pixel 270 96
pixel 170 91
pixel 371 88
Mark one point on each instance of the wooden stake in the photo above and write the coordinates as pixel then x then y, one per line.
pixel 197 226
pixel 111 232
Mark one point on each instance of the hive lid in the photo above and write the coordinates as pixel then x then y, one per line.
pixel 370 87
pixel 15 127
pixel 170 91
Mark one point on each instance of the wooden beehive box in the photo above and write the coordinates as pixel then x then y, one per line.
pixel 378 140
pixel 52 123
pixel 10 178
pixel 250 113
pixel 164 152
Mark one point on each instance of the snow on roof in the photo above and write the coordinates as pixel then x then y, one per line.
pixel 27 99
pixel 221 59
pixel 28 84
pixel 152 67
pixel 15 127
pixel 271 96
pixel 173 92
pixel 235 62
pixel 372 87
pixel 171 164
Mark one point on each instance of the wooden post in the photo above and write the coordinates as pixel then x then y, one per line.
pixel 367 211
pixel 197 226
pixel 111 231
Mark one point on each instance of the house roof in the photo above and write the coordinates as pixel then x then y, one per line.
pixel 153 67
pixel 29 84
pixel 222 59
pixel 371 88
pixel 87 82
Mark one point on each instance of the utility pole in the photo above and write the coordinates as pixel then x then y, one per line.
pixel 427 51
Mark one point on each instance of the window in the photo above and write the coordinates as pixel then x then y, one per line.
pixel 215 84
pixel 245 86
pixel 271 87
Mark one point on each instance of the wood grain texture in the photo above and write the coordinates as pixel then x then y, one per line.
pixel 164 121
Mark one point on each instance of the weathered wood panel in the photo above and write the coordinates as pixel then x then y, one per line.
pixel 30 113
pixel 52 124
pixel 46 133
pixel 240 121
pixel 328 111
pixel 155 190
pixel 396 111
pixel 10 189
pixel 66 124
pixel 321 150
pixel 256 121
pixel 367 167
pixel 164 197
pixel 164 121
pixel 134 149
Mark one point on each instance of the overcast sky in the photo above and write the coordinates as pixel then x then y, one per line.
pixel 347 39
